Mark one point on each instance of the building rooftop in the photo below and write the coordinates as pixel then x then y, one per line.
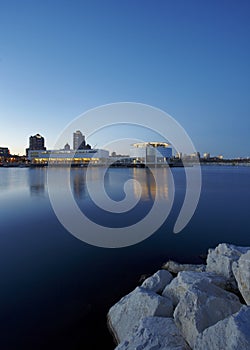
pixel 152 144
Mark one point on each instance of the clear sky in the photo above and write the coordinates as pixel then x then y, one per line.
pixel 59 58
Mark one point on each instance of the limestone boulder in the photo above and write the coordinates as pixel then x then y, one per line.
pixel 220 260
pixel 232 333
pixel 125 315
pixel 158 281
pixel 154 333
pixel 203 305
pixel 241 271
pixel 185 280
pixel 175 267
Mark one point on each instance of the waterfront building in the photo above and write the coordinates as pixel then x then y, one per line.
pixel 124 161
pixel 195 155
pixel 155 153
pixel 4 152
pixel 4 155
pixel 178 155
pixel 78 157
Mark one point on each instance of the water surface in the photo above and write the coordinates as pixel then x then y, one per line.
pixel 56 290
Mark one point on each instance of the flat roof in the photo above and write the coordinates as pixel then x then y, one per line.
pixel 151 143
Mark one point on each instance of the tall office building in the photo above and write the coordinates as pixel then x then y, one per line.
pixel 78 140
pixel 4 152
pixel 37 142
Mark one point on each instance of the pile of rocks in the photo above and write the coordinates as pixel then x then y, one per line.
pixel 185 307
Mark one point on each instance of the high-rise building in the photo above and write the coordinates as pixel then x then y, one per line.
pixel 4 152
pixel 78 140
pixel 37 142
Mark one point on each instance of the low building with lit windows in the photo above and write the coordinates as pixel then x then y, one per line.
pixel 78 157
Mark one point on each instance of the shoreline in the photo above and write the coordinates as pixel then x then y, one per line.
pixel 189 306
pixel 171 165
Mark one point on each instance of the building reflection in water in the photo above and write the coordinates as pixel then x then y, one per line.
pixel 144 187
pixel 78 180
pixel 148 184
pixel 149 179
pixel 37 181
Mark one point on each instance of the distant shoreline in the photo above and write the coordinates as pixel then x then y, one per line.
pixel 171 165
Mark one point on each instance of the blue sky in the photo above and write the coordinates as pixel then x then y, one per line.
pixel 189 58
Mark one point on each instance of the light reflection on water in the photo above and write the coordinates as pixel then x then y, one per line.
pixel 37 181
pixel 115 179
pixel 148 185
pixel 34 179
pixel 13 179
pixel 54 284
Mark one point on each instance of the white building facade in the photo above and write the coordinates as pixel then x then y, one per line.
pixel 151 153
pixel 64 157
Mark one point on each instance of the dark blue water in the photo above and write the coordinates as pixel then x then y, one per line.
pixel 56 290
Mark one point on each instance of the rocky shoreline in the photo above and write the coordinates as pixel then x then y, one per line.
pixel 184 306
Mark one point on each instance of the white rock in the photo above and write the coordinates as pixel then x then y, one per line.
pixel 232 333
pixel 175 267
pixel 184 281
pixel 220 260
pixel 203 305
pixel 241 270
pixel 155 333
pixel 125 315
pixel 158 281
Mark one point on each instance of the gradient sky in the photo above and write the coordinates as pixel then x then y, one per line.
pixel 189 58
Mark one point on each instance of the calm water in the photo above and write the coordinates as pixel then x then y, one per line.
pixel 56 290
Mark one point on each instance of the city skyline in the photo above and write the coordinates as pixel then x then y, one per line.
pixel 112 149
pixel 190 59
pixel 37 142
